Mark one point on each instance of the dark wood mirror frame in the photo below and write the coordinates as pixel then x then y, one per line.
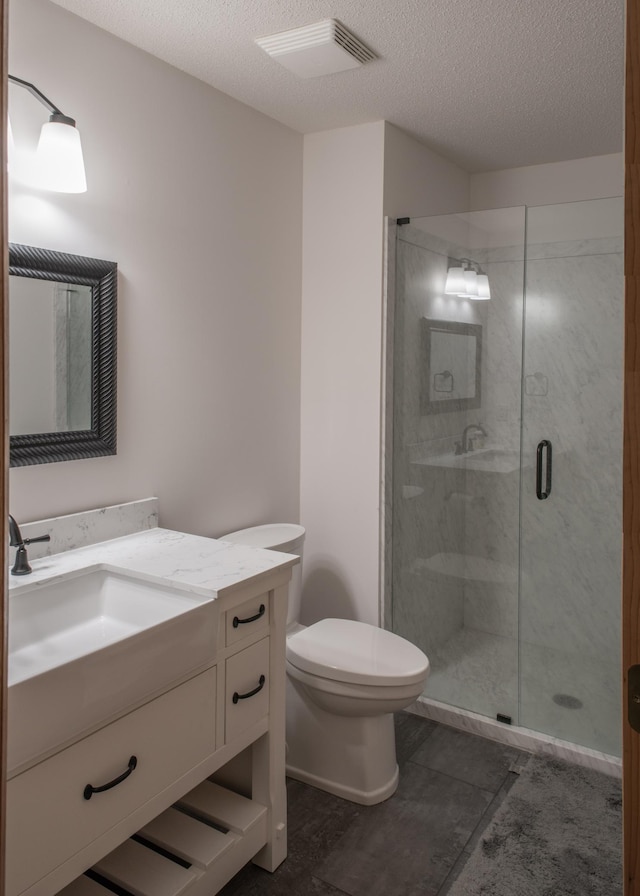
pixel 101 276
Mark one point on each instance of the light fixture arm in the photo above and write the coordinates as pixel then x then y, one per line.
pixel 56 114
pixel 467 264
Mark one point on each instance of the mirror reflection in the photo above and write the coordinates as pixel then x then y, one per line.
pixel 452 365
pixel 50 356
pixel 62 353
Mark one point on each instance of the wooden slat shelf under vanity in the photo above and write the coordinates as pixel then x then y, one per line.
pixel 191 849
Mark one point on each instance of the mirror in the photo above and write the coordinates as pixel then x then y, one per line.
pixel 451 371
pixel 62 350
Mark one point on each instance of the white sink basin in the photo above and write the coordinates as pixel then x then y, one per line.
pixel 86 647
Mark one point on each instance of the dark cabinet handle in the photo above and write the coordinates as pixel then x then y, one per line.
pixel 90 789
pixel 540 492
pixel 237 622
pixel 237 696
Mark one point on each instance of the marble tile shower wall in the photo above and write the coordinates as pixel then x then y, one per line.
pixel 447 523
pixel 492 522
pixel 574 344
pixel 433 506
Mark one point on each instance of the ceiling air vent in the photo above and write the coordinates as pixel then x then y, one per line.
pixel 320 49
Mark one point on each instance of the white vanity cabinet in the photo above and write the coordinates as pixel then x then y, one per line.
pixel 166 802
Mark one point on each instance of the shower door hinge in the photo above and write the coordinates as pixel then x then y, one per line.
pixel 633 699
pixel 401 221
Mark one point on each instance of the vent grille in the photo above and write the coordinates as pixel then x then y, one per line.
pixel 350 43
pixel 317 49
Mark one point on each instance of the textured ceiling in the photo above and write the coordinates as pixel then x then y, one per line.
pixel 488 83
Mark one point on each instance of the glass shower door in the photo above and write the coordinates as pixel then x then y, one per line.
pixel 571 515
pixel 456 456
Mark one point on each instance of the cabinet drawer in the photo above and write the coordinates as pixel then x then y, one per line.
pixel 244 671
pixel 49 818
pixel 250 617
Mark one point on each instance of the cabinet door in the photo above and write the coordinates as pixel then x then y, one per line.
pixel 247 688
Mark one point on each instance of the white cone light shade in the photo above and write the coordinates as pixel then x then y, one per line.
pixel 466 283
pixel 59 164
pixel 483 287
pixel 470 290
pixel 455 282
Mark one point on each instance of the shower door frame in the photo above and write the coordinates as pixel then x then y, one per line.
pixel 631 451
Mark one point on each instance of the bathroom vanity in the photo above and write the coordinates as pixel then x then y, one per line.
pixel 132 789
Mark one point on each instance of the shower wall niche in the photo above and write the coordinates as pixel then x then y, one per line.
pixel 514 598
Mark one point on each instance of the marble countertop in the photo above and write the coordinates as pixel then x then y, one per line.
pixel 205 566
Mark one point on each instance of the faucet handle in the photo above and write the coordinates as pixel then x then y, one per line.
pixel 37 538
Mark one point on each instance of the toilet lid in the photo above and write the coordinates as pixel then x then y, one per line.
pixel 348 651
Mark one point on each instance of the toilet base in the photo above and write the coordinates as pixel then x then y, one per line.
pixel 351 757
pixel 368 798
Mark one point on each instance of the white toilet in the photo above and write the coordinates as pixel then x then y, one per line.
pixel 344 681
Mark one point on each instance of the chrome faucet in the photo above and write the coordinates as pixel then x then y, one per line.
pixel 21 566
pixel 464 446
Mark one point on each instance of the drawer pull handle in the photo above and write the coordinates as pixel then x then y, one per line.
pixel 90 789
pixel 237 622
pixel 237 696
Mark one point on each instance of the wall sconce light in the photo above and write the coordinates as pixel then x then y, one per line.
pixel 467 280
pixel 58 163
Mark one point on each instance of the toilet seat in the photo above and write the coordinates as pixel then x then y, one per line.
pixel 325 691
pixel 358 653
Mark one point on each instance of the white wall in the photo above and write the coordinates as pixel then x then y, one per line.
pixel 353 177
pixel 417 181
pixel 198 198
pixel 341 337
pixel 596 177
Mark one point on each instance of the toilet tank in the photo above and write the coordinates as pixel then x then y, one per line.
pixel 285 537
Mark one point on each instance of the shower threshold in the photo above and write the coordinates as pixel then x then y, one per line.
pixel 488 675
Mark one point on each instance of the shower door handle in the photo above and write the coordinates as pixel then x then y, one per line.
pixel 540 492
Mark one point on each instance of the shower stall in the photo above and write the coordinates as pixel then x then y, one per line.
pixel 503 462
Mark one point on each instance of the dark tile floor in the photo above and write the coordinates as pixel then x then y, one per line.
pixel 451 783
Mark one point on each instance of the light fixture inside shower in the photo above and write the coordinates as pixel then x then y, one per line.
pixel 467 280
